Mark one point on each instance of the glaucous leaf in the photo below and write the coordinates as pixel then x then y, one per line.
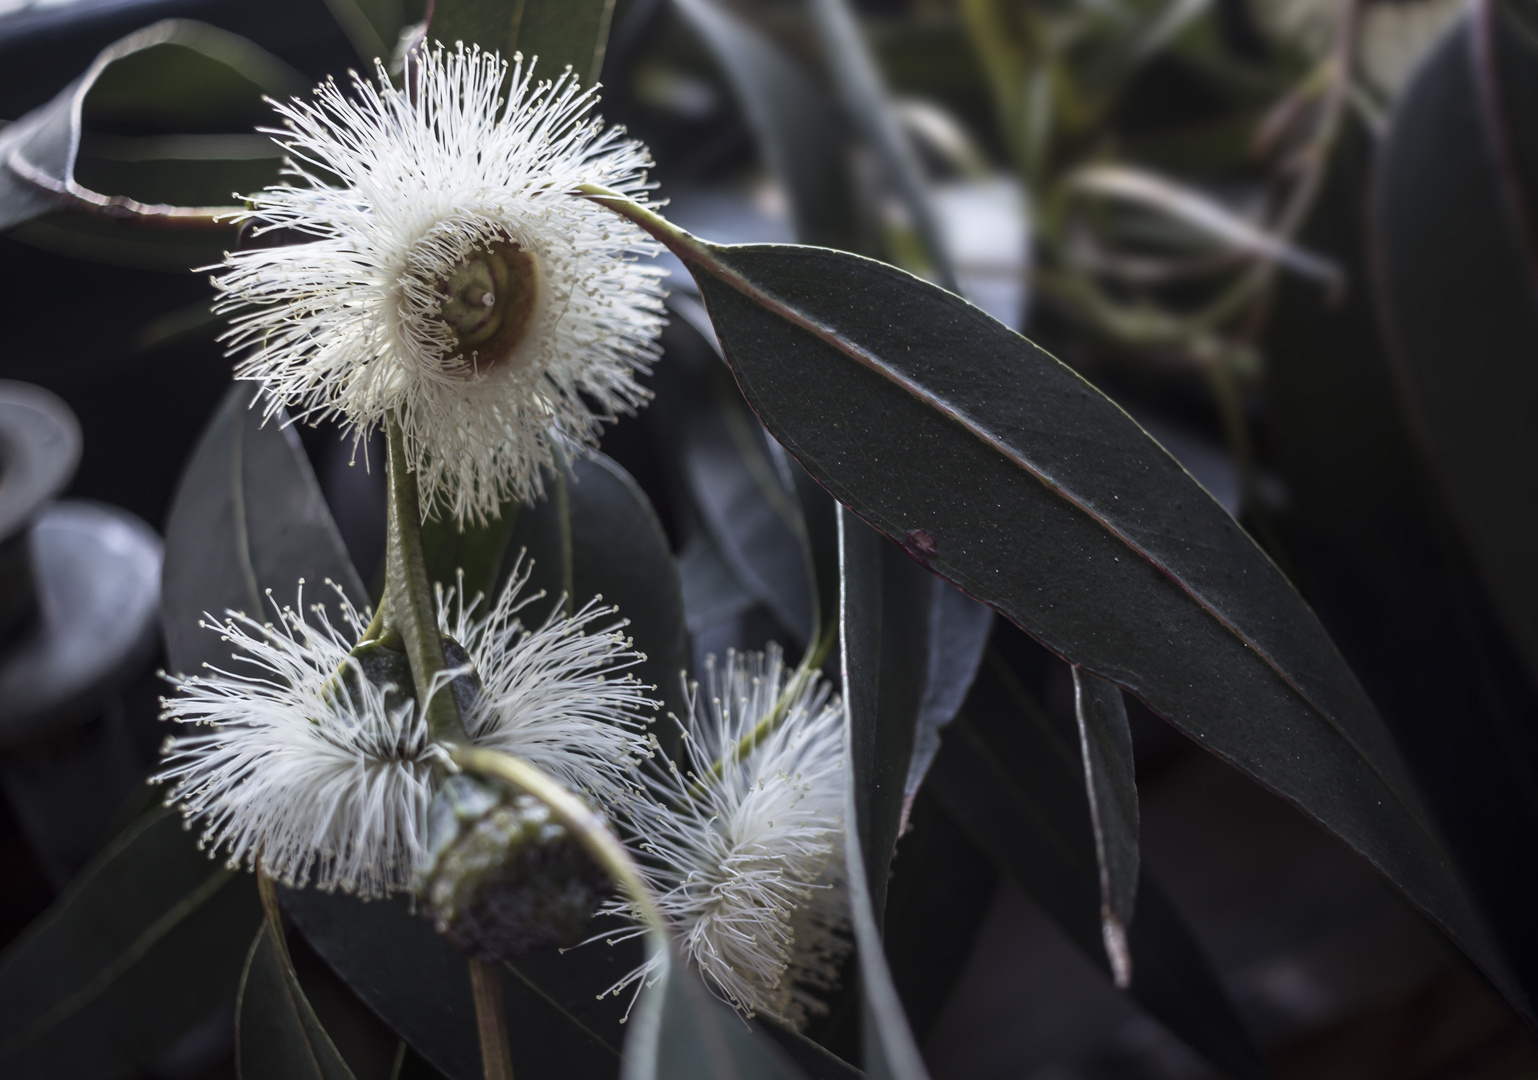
pixel 277 1034
pixel 1017 790
pixel 558 32
pixel 248 516
pixel 1105 744
pixel 143 946
pixel 178 80
pixel 1005 472
pixel 798 132
pixel 884 625
pixel 1460 290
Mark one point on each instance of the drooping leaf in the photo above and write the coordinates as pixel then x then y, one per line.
pixel 143 946
pixel 798 132
pixel 1017 790
pixel 179 79
pixel 420 986
pixel 277 1034
pixel 681 1032
pixel 1008 474
pixel 1460 291
pixel 1105 745
pixel 558 32
pixel 248 516
pixel 853 72
pixel 596 534
pixel 884 626
pixel 958 634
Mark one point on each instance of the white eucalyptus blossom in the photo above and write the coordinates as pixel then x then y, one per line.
pixel 302 761
pixel 448 272
pixel 744 844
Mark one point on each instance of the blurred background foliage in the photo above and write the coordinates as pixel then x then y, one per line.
pixel 1295 239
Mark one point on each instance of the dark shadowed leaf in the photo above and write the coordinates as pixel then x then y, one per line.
pixel 884 626
pixel 1017 789
pixel 277 1034
pixel 681 1032
pixel 958 634
pixel 143 946
pixel 1105 745
pixel 1009 475
pixel 558 32
pixel 596 534
pixel 1460 291
pixel 249 516
pixel 420 986
pixel 169 80
pixel 798 132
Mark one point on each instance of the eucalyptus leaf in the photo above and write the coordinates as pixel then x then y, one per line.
pixel 143 946
pixel 1460 292
pixel 1005 472
pixel 884 629
pixel 248 516
pixel 560 33
pixel 181 79
pixel 277 1034
pixel 681 1032
pixel 798 132
pixel 1017 790
pixel 420 986
pixel 596 534
pixel 1105 744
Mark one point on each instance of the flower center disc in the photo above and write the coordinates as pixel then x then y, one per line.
pixel 489 302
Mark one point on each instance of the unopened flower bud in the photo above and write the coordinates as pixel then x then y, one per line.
pixel 504 877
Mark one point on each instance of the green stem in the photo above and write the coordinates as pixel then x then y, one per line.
pixel 408 604
pixel 578 818
pixel 491 1019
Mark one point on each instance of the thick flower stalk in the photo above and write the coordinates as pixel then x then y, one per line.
pixel 310 759
pixel 744 844
pixel 437 263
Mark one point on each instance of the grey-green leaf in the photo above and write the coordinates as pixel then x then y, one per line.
pixel 248 516
pixel 1011 476
pixel 560 33
pixel 884 628
pixel 144 945
pixel 175 76
pixel 681 1032
pixel 1460 291
pixel 1105 744
pixel 1017 790
pixel 277 1035
pixel 798 132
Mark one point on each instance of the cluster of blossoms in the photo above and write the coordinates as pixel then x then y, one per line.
pixel 441 273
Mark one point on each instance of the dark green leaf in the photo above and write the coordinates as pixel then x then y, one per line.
pixel 372 26
pixel 248 517
pixel 958 634
pixel 681 1032
pixel 884 626
pixel 181 81
pixel 477 550
pixel 1009 475
pixel 596 534
pixel 420 986
pixel 144 945
pixel 277 1035
pixel 1105 744
pixel 558 32
pixel 852 69
pixel 1017 789
pixel 1460 292
pixel 797 130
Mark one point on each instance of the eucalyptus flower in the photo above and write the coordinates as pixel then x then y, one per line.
pixel 446 271
pixel 310 758
pixel 744 844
